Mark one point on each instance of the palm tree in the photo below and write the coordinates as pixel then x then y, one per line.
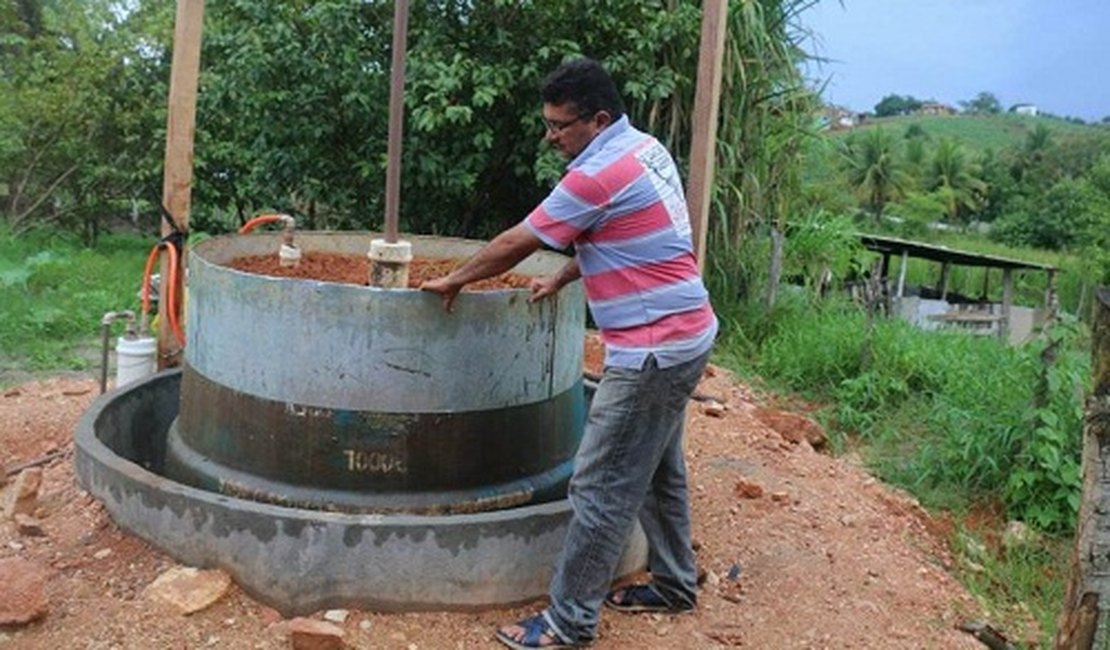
pixel 874 171
pixel 954 177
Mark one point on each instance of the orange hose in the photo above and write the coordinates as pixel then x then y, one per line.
pixel 258 221
pixel 171 289
pixel 171 308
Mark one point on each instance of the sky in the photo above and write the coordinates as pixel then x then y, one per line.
pixel 1054 54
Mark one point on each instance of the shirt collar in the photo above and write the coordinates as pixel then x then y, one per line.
pixel 599 142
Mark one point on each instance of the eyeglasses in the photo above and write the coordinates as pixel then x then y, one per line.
pixel 557 127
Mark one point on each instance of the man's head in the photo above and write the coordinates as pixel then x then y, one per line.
pixel 580 101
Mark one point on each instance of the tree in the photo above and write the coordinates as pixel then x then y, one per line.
pixel 75 118
pixel 874 172
pixel 957 180
pixel 984 103
pixel 892 105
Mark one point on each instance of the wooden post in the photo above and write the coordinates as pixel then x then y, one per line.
pixel 902 274
pixel 177 181
pixel 1050 298
pixel 1007 303
pixel 1085 620
pixel 945 273
pixel 699 190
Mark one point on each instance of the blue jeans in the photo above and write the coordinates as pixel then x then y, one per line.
pixel 630 463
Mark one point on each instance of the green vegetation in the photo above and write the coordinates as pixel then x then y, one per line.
pixel 976 132
pixel 53 293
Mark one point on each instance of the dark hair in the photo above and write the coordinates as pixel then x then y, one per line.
pixel 587 84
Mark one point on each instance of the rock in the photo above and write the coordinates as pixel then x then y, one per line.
pixel 747 489
pixel 188 589
pixel 1017 534
pixel 780 497
pixel 713 408
pixel 734 572
pixel 336 615
pixel 29 526
pixel 21 497
pixel 22 591
pixel 102 553
pixel 310 634
pixel 793 427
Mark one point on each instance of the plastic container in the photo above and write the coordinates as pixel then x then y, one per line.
pixel 136 358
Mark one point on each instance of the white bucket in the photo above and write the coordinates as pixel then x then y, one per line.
pixel 135 358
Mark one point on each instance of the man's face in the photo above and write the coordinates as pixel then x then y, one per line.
pixel 570 130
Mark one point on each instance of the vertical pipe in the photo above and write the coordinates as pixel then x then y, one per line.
pixel 396 119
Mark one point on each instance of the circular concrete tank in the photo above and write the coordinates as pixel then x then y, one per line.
pixel 356 399
pixel 301 560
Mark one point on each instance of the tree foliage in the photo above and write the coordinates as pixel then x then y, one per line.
pixel 896 105
pixel 985 103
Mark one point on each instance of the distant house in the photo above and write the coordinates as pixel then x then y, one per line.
pixel 935 108
pixel 1024 109
pixel 838 117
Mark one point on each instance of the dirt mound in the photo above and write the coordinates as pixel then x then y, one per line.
pixel 824 557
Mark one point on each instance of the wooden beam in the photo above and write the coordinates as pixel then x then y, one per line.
pixel 177 181
pixel 699 191
pixel 945 273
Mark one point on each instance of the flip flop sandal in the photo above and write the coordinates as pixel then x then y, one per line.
pixel 535 628
pixel 642 598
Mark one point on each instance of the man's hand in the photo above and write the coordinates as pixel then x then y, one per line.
pixel 446 288
pixel 544 287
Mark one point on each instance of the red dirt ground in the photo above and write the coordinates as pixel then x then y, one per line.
pixel 825 555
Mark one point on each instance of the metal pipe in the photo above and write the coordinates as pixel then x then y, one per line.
pixel 106 327
pixel 396 119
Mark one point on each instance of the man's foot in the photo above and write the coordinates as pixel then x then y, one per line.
pixel 642 598
pixel 533 632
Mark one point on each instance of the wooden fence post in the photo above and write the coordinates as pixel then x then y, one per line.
pixel 1085 619
pixel 177 181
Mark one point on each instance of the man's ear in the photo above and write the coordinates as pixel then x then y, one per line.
pixel 603 118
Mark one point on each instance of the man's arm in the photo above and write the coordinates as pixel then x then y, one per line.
pixel 498 256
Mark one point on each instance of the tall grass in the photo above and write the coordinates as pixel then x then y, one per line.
pixel 54 292
pixel 953 417
pixel 956 419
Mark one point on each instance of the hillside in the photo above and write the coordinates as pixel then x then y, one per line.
pixel 978 132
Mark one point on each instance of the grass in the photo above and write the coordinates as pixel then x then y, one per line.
pixel 54 292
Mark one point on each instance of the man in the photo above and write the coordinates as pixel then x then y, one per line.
pixel 621 205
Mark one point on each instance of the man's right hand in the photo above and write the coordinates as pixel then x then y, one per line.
pixel 446 288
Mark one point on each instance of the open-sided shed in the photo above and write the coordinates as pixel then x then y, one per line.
pixel 904 249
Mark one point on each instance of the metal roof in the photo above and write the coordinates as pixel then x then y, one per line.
pixel 895 246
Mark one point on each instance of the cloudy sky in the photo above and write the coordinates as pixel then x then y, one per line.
pixel 1055 54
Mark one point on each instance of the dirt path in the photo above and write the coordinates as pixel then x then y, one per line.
pixel 826 556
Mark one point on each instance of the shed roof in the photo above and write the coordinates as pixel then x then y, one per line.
pixel 895 246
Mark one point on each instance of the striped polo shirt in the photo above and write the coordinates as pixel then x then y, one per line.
pixel 621 204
